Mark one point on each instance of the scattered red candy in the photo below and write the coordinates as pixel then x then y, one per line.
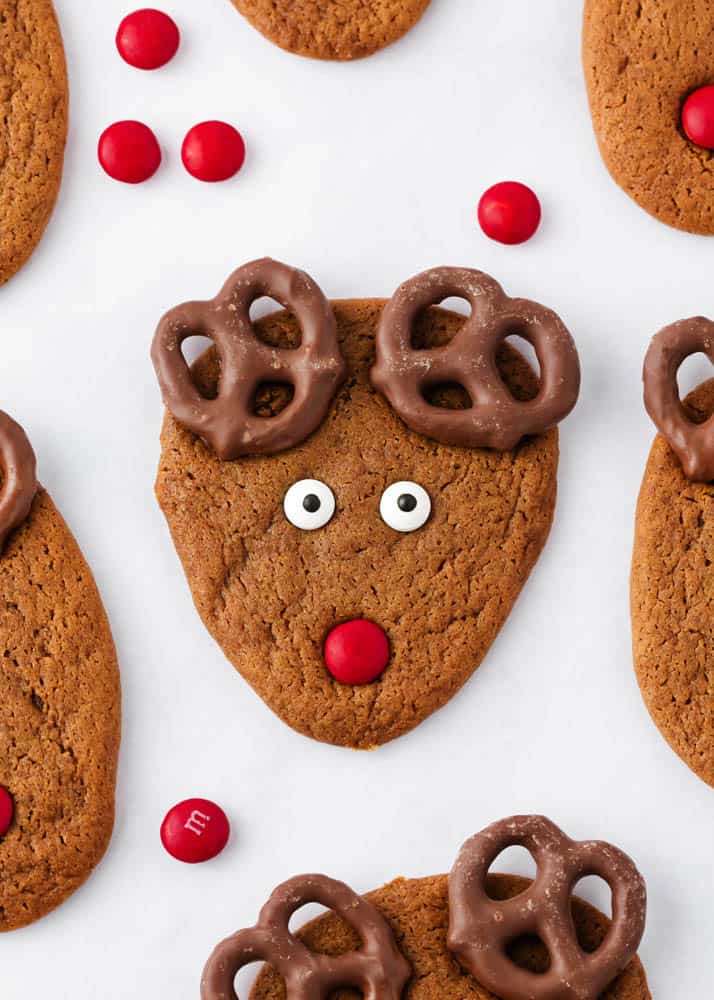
pixel 195 830
pixel 509 213
pixel 7 810
pixel 213 151
pixel 129 152
pixel 356 652
pixel 147 39
pixel 698 117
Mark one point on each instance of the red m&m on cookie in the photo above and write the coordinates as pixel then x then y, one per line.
pixel 698 117
pixel 213 151
pixel 129 152
pixel 509 213
pixel 195 830
pixel 356 652
pixel 7 810
pixel 147 39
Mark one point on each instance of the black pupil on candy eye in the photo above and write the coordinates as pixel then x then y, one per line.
pixel 311 503
pixel 406 503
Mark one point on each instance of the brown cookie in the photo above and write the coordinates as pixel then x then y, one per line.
pixel 333 29
pixel 418 913
pixel 33 107
pixel 642 59
pixel 269 593
pixel 59 717
pixel 673 598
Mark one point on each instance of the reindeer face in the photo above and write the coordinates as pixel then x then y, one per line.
pixel 365 520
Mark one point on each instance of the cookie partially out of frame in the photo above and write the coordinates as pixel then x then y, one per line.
pixel 59 717
pixel 673 598
pixel 33 111
pixel 418 913
pixel 642 59
pixel 333 29
pixel 269 593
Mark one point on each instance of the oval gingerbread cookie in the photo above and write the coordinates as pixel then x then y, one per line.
pixel 642 60
pixel 470 935
pixel 33 106
pixel 333 29
pixel 672 579
pixel 59 698
pixel 357 515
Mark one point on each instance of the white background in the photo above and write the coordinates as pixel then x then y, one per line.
pixel 362 174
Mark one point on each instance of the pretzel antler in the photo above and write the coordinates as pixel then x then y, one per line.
pixel 19 478
pixel 495 419
pixel 379 970
pixel 480 928
pixel 693 443
pixel 314 369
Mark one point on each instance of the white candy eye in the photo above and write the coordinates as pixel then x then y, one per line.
pixel 309 504
pixel 405 506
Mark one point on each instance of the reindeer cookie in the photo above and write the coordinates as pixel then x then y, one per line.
pixel 33 102
pixel 471 935
pixel 672 583
pixel 59 699
pixel 333 29
pixel 358 490
pixel 642 59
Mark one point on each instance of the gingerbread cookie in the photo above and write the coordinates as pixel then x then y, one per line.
pixel 59 699
pixel 672 581
pixel 642 59
pixel 33 102
pixel 462 936
pixel 353 530
pixel 333 29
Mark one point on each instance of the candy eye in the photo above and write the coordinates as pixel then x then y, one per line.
pixel 405 506
pixel 309 504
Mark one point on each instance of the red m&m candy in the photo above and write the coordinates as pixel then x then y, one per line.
pixel 509 213
pixel 7 810
pixel 213 151
pixel 147 39
pixel 129 152
pixel 195 830
pixel 698 117
pixel 357 652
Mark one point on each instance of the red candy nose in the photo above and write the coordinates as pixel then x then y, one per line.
pixel 357 652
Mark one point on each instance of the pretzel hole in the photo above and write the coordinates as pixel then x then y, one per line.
pixel 273 324
pixel 529 952
pixel 448 396
pixel 518 342
pixel 694 370
pixel 245 980
pixel 594 890
pixel 270 398
pixel 193 348
pixel 514 860
pixel 305 915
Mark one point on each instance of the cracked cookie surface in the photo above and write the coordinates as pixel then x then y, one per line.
pixel 418 912
pixel 269 593
pixel 333 29
pixel 33 106
pixel 59 717
pixel 673 599
pixel 642 58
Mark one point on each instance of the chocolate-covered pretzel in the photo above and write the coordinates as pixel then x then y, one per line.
pixel 314 369
pixel 19 478
pixel 480 928
pixel 378 970
pixel 693 443
pixel 495 419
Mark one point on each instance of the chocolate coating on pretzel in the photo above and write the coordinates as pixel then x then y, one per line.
pixel 693 443
pixel 379 970
pixel 480 928
pixel 315 369
pixel 19 478
pixel 495 419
